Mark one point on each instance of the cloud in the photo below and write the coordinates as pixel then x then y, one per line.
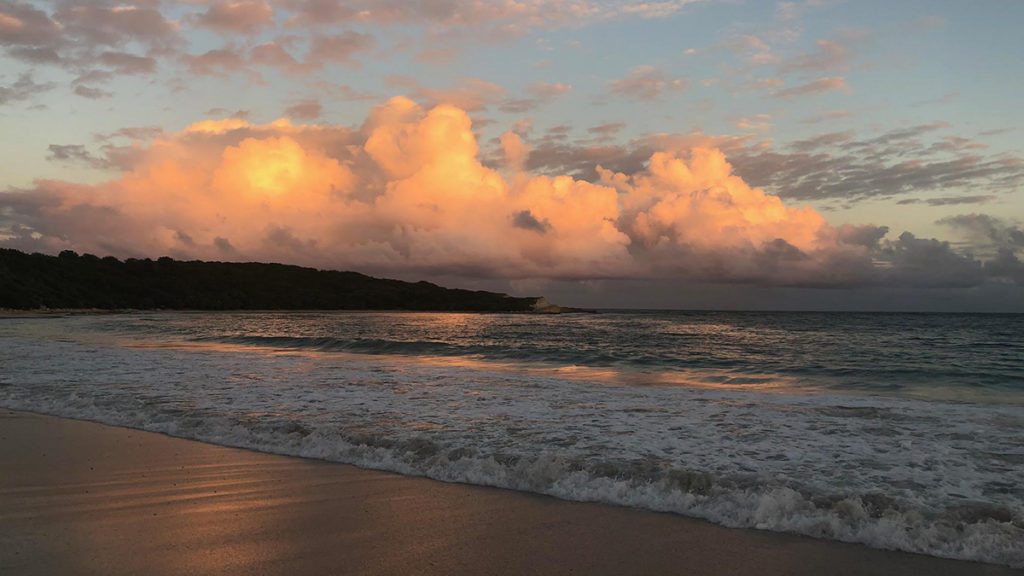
pixel 80 36
pixel 23 89
pixel 662 9
pixel 70 153
pixel 450 26
pixel 407 193
pixel 469 94
pixel 24 25
pixel 216 62
pixel 125 63
pixel 91 92
pixel 757 122
pixel 950 200
pixel 548 90
pixel 922 160
pixel 527 221
pixel 221 111
pixel 305 110
pixel 237 17
pixel 607 131
pixel 826 116
pixel 275 55
pixel 339 48
pixel 645 83
pixel 540 93
pixel 511 17
pixel 918 159
pixel 987 234
pixel 818 86
pixel 829 57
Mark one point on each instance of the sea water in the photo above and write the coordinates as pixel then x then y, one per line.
pixel 899 431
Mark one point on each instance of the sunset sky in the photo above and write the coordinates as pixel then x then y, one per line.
pixel 815 154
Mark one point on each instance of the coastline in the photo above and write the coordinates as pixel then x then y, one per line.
pixel 83 497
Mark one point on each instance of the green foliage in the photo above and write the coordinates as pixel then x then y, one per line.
pixel 30 281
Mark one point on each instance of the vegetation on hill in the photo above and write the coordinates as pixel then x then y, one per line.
pixel 31 281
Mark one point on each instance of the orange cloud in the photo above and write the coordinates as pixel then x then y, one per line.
pixel 408 192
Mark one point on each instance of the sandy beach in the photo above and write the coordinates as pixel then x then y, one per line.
pixel 84 498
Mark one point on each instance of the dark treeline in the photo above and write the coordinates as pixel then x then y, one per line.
pixel 31 281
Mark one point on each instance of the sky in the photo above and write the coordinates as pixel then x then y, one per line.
pixel 733 154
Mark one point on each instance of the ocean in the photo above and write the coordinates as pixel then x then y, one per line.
pixel 899 431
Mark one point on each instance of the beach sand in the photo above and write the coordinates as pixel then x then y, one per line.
pixel 83 498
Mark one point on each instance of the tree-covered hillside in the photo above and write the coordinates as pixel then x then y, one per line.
pixel 30 281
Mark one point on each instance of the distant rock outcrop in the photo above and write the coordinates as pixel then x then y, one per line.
pixel 542 306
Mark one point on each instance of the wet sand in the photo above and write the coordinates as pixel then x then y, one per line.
pixel 83 498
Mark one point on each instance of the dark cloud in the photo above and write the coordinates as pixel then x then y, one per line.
pixel 92 92
pixel 23 89
pixel 124 63
pixel 216 62
pixel 70 153
pixel 140 133
pixel 105 23
pixel 36 221
pixel 987 233
pixel 927 262
pixel 33 55
pixel 305 110
pixel 89 39
pixel 224 245
pixel 950 200
pixel 28 27
pixel 527 221
pixel 606 131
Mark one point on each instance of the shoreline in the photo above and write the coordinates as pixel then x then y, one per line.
pixel 84 497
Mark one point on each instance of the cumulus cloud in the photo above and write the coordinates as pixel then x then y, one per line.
pixel 407 192
pixel 987 233
pixel 921 163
